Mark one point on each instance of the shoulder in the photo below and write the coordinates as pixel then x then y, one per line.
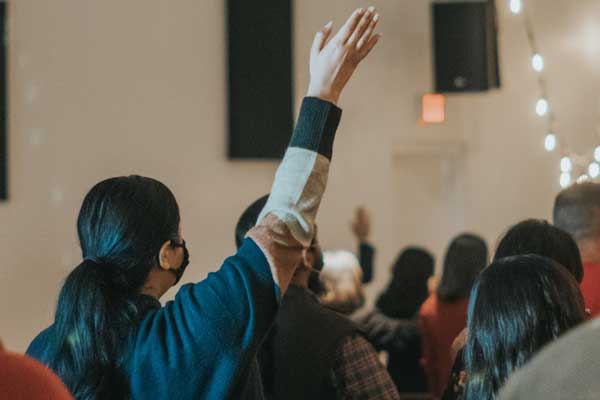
pixel 23 377
pixel 429 306
pixel 577 377
pixel 299 301
pixel 344 326
pixel 39 347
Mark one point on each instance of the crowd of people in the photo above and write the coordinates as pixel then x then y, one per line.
pixel 281 319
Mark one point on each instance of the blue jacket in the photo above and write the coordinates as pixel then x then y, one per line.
pixel 199 345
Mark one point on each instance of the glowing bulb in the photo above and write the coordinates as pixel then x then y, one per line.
pixel 566 165
pixel 541 107
pixel 550 142
pixel 565 179
pixel 594 170
pixel 516 6
pixel 583 178
pixel 597 154
pixel 537 61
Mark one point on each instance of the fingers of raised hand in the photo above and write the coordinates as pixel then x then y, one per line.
pixel 368 33
pixel 326 34
pixel 366 49
pixel 350 26
pixel 361 27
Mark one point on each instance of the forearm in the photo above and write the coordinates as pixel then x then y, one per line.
pixel 287 223
pixel 366 254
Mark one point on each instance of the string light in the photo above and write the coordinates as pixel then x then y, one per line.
pixel 565 179
pixel 583 178
pixel 570 163
pixel 594 170
pixel 550 142
pixel 566 165
pixel 537 62
pixel 541 107
pixel 516 6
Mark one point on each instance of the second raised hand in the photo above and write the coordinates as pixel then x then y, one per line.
pixel 334 59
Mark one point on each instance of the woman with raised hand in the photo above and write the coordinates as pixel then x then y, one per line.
pixel 112 339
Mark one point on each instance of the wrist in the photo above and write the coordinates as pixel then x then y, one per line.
pixel 325 95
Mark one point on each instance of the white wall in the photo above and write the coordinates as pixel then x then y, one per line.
pixel 104 88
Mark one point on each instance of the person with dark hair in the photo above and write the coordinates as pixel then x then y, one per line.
pixel 111 339
pixel 392 325
pixel 518 305
pixel 534 236
pixel 313 352
pixel 22 377
pixel 444 314
pixel 407 288
pixel 248 219
pixel 577 212
pixel 531 236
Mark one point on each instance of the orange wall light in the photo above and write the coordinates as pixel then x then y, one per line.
pixel 434 108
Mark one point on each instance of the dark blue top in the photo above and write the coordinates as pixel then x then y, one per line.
pixel 199 345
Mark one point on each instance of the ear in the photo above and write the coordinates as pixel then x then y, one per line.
pixel 307 259
pixel 167 256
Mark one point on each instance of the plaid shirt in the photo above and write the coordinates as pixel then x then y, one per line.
pixel 358 373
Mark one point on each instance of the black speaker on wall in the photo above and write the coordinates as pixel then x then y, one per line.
pixel 465 42
pixel 3 106
pixel 260 78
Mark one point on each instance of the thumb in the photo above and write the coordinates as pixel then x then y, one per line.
pixel 321 39
pixel 316 46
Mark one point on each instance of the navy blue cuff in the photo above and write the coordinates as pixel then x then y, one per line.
pixel 317 123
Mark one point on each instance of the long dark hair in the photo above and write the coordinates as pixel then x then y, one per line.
pixel 466 256
pixel 122 225
pixel 518 305
pixel 407 289
pixel 536 236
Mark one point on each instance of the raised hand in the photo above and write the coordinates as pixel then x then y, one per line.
pixel 361 225
pixel 334 59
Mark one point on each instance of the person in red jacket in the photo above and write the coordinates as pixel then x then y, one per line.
pixel 22 377
pixel 444 314
pixel 577 211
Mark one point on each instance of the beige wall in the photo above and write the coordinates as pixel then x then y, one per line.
pixel 104 88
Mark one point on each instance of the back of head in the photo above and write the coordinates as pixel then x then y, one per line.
pixel 413 264
pixel 534 236
pixel 407 288
pixel 122 225
pixel 577 211
pixel 24 378
pixel 342 282
pixel 466 256
pixel 518 305
pixel 248 219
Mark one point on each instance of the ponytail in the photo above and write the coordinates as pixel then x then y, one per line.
pixel 93 317
pixel 122 224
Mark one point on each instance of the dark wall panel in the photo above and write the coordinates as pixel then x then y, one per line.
pixel 3 106
pixel 260 78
